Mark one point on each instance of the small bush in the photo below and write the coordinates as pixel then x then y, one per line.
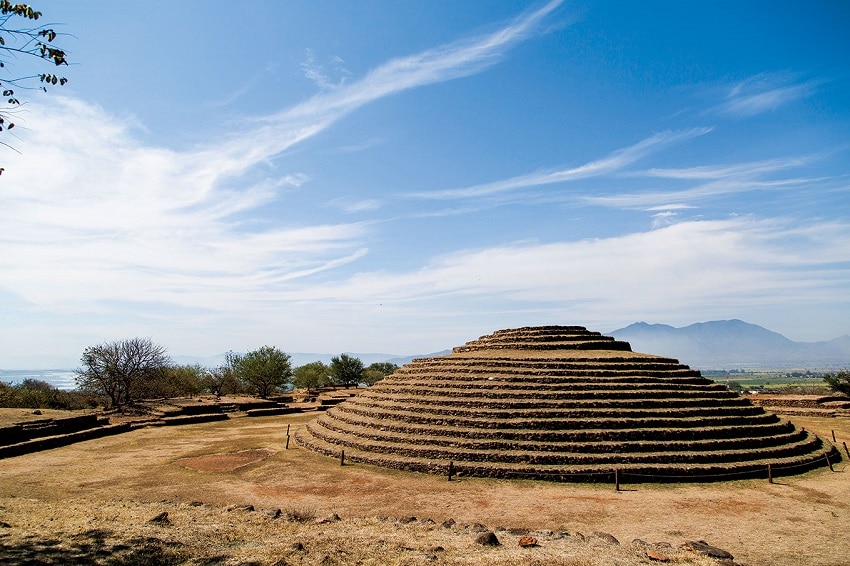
pixel 37 394
pixel 839 382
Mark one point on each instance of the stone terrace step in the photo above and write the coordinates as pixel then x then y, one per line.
pixel 592 472
pixel 577 422
pixel 582 398
pixel 586 447
pixel 695 433
pixel 560 338
pixel 554 410
pixel 538 366
pixel 793 447
pixel 581 390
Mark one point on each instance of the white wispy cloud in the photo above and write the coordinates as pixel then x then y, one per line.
pixel 764 92
pixel 702 268
pixel 710 181
pixel 351 205
pixel 274 134
pixel 616 161
pixel 319 75
pixel 111 218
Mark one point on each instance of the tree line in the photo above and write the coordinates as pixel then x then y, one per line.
pixel 125 371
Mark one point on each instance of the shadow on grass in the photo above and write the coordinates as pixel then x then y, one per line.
pixel 96 547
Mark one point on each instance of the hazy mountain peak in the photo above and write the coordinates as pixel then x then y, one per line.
pixel 727 344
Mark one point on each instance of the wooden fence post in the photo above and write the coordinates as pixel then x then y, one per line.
pixel 287 442
pixel 342 458
pixel 451 469
pixel 617 479
pixel 769 474
pixel 845 449
pixel 828 463
pixel 833 436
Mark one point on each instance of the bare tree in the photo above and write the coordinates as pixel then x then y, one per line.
pixel 222 380
pixel 119 369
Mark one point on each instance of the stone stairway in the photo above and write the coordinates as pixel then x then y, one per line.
pixel 561 403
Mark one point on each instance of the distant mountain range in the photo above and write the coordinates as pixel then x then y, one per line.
pixel 719 344
pixel 733 344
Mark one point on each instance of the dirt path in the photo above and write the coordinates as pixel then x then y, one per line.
pixel 799 520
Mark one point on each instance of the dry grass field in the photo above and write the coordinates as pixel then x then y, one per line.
pixel 92 502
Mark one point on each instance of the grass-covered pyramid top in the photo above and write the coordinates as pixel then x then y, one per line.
pixel 561 403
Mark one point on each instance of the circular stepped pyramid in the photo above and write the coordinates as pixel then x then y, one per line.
pixel 565 404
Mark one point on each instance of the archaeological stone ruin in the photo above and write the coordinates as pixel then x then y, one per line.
pixel 561 403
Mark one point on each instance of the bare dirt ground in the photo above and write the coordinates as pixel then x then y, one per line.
pixel 91 503
pixel 11 416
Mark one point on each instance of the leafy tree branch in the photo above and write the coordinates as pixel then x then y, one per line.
pixel 17 39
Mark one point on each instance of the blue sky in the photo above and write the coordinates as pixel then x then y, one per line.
pixel 402 177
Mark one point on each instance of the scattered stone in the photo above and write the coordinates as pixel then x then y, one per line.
pixel 702 547
pixel 518 531
pixel 546 533
pixel 436 549
pixel 196 504
pixel 640 543
pixel 448 523
pixel 329 519
pixel 161 519
pixel 37 412
pixel 611 539
pixel 273 513
pixel 527 541
pixel 427 522
pixel 479 528
pixel 406 520
pixel 298 547
pixel 487 539
pixel 5 525
pixel 657 555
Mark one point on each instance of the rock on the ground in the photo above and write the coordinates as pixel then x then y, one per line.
pixel 611 539
pixel 329 519
pixel 702 547
pixel 487 539
pixel 161 519
pixel 656 555
pixel 527 541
